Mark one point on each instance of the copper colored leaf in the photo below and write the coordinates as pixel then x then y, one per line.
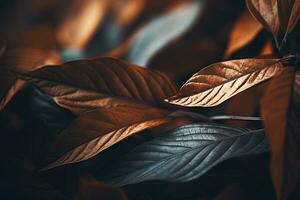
pixel 289 13
pixel 93 81
pixel 251 98
pixel 266 12
pixel 245 30
pixel 280 111
pixel 112 99
pixel 96 130
pixel 220 81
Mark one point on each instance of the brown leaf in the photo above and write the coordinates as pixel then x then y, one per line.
pixel 251 98
pixel 245 29
pixel 96 130
pixel 88 83
pixel 232 192
pixel 280 111
pixel 289 13
pixel 112 99
pixel 93 131
pixel 220 81
pixel 266 12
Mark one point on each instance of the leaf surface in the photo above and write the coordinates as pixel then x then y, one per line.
pixel 220 81
pixel 281 114
pixel 266 12
pixel 183 154
pixel 111 98
pixel 87 83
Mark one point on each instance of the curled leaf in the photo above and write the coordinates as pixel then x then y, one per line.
pixel 220 81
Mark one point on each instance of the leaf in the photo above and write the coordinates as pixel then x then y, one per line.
pixel 162 30
pixel 280 111
pixel 251 98
pixel 289 13
pixel 220 81
pixel 245 29
pixel 266 12
pixel 87 84
pixel 111 98
pixel 183 154
pixel 96 130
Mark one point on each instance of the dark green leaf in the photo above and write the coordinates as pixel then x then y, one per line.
pixel 184 154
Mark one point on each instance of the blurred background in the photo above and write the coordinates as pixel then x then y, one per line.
pixel 174 36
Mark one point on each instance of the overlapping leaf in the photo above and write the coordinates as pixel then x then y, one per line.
pixel 111 98
pixel 183 154
pixel 266 12
pixel 280 110
pixel 279 16
pixel 85 81
pixel 220 81
pixel 96 130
